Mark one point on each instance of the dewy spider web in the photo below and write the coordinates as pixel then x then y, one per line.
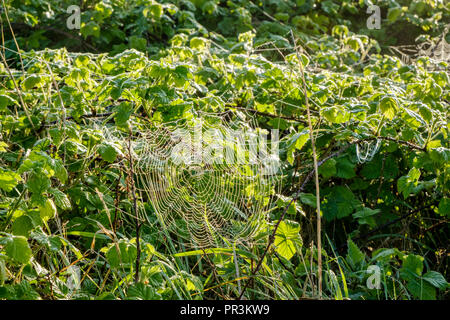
pixel 366 150
pixel 208 182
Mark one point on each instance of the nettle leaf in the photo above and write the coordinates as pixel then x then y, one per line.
pixel 53 243
pixel 345 168
pixel 31 82
pixel 365 216
pixel 355 257
pixel 388 106
pixel 6 101
pixel 421 289
pixel 286 237
pixel 336 114
pixel 297 142
pixel 372 170
pixel 138 43
pixel 339 203
pixel 198 43
pixel 60 171
pixel 17 248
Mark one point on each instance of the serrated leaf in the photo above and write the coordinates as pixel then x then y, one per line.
pixel 355 257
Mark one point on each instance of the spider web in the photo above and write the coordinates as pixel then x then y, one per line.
pixel 207 181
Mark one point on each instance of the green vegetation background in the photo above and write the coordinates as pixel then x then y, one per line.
pixel 66 204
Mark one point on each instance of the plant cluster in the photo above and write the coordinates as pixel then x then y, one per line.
pixel 71 102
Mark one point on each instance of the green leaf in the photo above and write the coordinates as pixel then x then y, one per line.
pixel 90 29
pixel 122 113
pixel 308 199
pixel 407 184
pixel 297 142
pixel 388 107
pixel 17 249
pixel 120 254
pixel 108 152
pixel 38 182
pixel 8 180
pixel 421 289
pixel 328 169
pixel 138 43
pixel 436 279
pixel 141 291
pixel 286 237
pixel 31 82
pixel 61 199
pixel 345 168
pixel 444 207
pixel 48 210
pixel 365 216
pixel 22 226
pixel 355 257
pixel 412 266
pixel 394 14
pixel 6 101
pixel 340 202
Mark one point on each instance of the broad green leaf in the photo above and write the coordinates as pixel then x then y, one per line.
pixel 340 202
pixel 48 210
pixel 286 237
pixel 141 291
pixel 444 207
pixel 17 249
pixel 436 279
pixel 90 29
pixel 8 180
pixel 108 152
pixel 61 199
pixel 388 106
pixel 394 14
pixel 22 226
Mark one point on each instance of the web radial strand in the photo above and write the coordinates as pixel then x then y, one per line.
pixel 198 191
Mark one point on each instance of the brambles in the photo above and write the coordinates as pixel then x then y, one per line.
pixel 381 137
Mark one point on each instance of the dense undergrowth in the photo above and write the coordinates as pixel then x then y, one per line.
pixel 67 206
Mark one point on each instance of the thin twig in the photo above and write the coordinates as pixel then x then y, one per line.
pixel 137 223
pixel 316 171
